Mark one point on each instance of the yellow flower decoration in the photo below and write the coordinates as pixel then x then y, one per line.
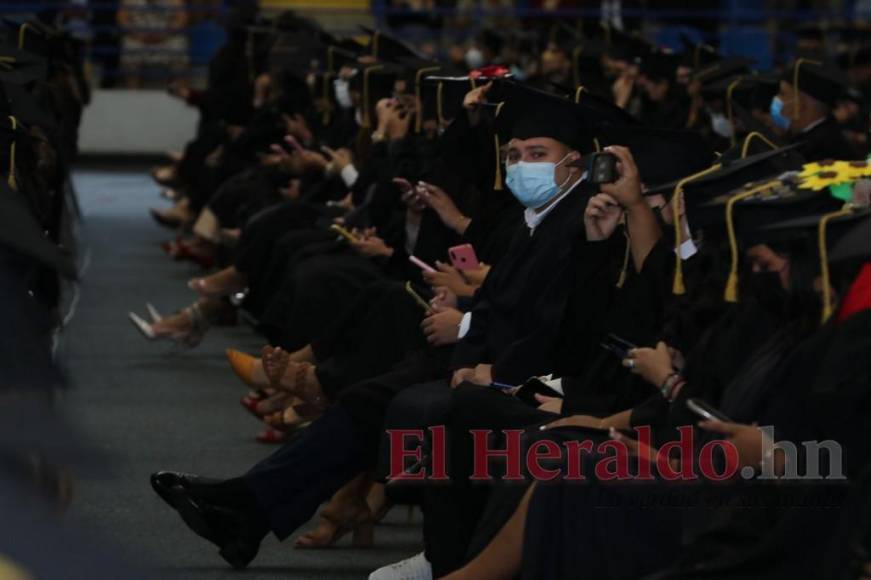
pixel 822 180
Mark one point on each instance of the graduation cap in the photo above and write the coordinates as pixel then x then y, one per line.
pixel 449 94
pixel 21 67
pixel 698 55
pixel 662 155
pixel 728 67
pixel 827 228
pixel 20 103
pixel 417 69
pixel 387 47
pixel 746 213
pixel 722 177
pixel 822 82
pixel 607 111
pixel 855 243
pixel 856 55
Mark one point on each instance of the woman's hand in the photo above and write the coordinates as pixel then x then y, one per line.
pixel 442 326
pixel 753 445
pixel 368 244
pixel 549 404
pixel 444 298
pixel 480 375
pixel 435 198
pixel 627 189
pixel 653 364
pixel 477 276
pixel 601 217
pixel 448 277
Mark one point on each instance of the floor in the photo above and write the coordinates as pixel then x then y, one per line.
pixel 150 409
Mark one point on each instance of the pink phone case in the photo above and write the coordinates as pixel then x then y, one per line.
pixel 421 264
pixel 463 257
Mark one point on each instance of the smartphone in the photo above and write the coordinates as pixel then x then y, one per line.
pixel 463 257
pixel 417 297
pixel 617 345
pixel 421 264
pixel 344 233
pixel 602 168
pixel 706 411
pixel 532 387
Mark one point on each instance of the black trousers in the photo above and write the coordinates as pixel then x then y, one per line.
pixel 290 484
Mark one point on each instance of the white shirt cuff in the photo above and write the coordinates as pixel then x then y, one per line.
pixel 349 175
pixel 465 324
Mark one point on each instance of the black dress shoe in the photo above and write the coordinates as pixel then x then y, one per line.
pixel 163 483
pixel 236 532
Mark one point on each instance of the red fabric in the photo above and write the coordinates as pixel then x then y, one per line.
pixel 493 71
pixel 858 297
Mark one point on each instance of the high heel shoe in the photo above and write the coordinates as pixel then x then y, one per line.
pixel 243 365
pixel 337 520
pixel 189 338
pixel 184 251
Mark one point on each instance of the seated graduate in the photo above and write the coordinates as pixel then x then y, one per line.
pixel 280 493
pixel 782 385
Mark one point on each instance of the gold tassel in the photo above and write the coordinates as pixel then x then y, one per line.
pixel 622 279
pixel 375 36
pixel 22 30
pixel 745 149
pixel 497 182
pixel 824 260
pixel 576 57
pixel 678 288
pixel 797 65
pixel 596 144
pixel 13 183
pixel 328 106
pixel 440 107
pixel 578 92
pixel 731 292
pixel 732 86
pixel 418 123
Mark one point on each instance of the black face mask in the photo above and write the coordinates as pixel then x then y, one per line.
pixel 766 289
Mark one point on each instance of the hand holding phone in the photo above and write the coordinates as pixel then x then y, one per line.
pixel 421 264
pixel 344 233
pixel 619 346
pixel 463 257
pixel 602 168
pixel 417 298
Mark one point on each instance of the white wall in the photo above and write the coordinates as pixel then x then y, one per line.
pixel 136 122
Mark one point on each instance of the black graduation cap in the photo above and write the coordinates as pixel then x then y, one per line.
pixel 658 66
pixel 528 112
pixel 607 111
pixel 826 229
pixel 822 82
pixel 728 67
pixel 417 70
pixel 855 55
pixel 22 233
pixel 662 155
pixel 449 94
pixel 387 47
pixel 21 67
pixel 698 55
pixel 23 106
pixel 855 243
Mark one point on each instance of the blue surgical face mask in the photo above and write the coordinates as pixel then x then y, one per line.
pixel 534 183
pixel 776 112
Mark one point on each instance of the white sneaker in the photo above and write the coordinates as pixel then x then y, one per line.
pixel 414 568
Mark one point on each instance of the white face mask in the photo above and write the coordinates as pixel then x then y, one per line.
pixel 343 95
pixel 474 58
pixel 721 125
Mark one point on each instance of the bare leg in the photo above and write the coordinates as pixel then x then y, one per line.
pixel 503 556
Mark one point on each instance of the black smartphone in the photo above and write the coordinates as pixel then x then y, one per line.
pixel 706 411
pixel 602 168
pixel 619 346
pixel 532 387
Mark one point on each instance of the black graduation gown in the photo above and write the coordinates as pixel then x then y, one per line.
pixel 519 309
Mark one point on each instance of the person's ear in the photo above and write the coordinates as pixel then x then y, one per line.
pixel 571 160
